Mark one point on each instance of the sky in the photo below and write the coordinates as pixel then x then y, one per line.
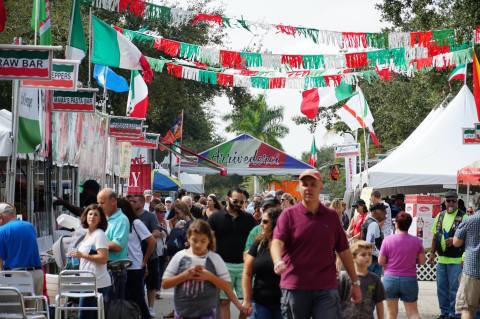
pixel 338 15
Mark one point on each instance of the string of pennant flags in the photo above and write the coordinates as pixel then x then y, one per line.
pixel 341 40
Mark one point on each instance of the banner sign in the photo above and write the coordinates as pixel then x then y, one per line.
pixel 140 178
pixel 471 135
pixel 83 100
pixel 25 62
pixel 149 141
pixel 130 139
pixel 64 77
pixel 350 170
pixel 347 150
pixel 125 126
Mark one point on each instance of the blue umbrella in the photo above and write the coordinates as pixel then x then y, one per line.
pixel 164 183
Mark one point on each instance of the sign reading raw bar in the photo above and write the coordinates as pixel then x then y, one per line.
pixel 125 126
pixel 82 100
pixel 23 62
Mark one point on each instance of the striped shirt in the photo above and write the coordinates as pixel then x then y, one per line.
pixel 469 231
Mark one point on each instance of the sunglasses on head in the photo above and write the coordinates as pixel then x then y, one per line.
pixel 265 221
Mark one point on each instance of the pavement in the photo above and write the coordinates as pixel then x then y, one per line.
pixel 427 302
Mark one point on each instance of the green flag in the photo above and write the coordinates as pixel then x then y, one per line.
pixel 29 134
pixel 76 47
pixel 44 23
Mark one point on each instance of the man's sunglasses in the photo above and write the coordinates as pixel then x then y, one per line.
pixel 237 202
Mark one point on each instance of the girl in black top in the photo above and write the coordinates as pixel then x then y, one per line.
pixel 264 298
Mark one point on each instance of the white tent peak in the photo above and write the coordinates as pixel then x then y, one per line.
pixel 431 156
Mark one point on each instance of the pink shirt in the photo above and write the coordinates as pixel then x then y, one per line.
pixel 401 251
pixel 310 244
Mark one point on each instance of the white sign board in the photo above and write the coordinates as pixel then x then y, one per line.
pixel 347 150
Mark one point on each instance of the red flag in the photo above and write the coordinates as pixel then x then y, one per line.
pixel 310 103
pixel 3 15
pixel 476 83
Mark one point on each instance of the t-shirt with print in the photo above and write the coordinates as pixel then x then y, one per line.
pixel 372 293
pixel 448 220
pixel 89 245
pixel 139 232
pixel 266 284
pixel 194 298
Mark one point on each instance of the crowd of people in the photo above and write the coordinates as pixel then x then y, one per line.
pixel 269 254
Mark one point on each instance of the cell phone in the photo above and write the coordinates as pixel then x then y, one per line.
pixel 198 261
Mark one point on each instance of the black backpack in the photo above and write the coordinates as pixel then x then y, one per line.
pixel 123 309
pixel 176 240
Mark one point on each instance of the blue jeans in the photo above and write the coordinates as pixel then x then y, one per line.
pixel 448 279
pixel 306 304
pixel 92 302
pixel 263 312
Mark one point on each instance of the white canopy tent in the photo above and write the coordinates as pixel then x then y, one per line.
pixel 428 160
pixel 192 183
pixel 5 131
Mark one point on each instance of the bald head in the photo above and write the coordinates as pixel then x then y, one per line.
pixel 7 213
pixel 107 199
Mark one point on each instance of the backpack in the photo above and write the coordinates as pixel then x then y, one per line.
pixel 123 309
pixel 176 240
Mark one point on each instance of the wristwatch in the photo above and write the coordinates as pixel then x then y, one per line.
pixel 356 282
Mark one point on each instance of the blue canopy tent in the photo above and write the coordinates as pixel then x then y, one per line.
pixel 162 182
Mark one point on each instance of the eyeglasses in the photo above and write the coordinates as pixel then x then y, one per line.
pixel 237 202
pixel 451 200
pixel 265 221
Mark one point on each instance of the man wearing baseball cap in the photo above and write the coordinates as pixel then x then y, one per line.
pixel 168 205
pixel 148 195
pixel 303 241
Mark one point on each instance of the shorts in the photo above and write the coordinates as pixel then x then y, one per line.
pixel 468 294
pixel 236 271
pixel 403 288
pixel 152 281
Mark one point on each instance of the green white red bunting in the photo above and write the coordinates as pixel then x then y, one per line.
pixel 458 73
pixel 82 100
pixel 125 126
pixel 64 77
pixel 150 141
pixel 25 62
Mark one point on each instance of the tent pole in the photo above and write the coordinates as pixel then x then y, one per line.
pixel 468 195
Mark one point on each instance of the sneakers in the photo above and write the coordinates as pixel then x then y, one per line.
pixel 152 312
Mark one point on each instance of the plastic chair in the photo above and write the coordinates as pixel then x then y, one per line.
pixel 77 284
pixel 12 306
pixel 23 281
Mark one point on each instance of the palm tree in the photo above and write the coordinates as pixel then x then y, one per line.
pixel 260 121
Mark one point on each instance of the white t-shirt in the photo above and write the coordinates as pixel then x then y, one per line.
pixel 135 253
pixel 92 242
pixel 373 232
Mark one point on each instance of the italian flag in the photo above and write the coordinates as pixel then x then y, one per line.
pixel 458 73
pixel 137 103
pixel 112 48
pixel 29 136
pixel 76 48
pixel 476 83
pixel 323 97
pixel 44 24
pixel 356 114
pixel 313 154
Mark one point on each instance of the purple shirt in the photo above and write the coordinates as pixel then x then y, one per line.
pixel 401 251
pixel 310 244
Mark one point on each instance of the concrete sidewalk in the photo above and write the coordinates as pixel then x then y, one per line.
pixel 427 302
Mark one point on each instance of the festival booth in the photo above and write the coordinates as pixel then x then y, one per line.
pixel 161 181
pixel 246 155
pixel 470 174
pixel 428 160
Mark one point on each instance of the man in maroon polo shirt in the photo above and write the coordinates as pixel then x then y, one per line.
pixel 303 249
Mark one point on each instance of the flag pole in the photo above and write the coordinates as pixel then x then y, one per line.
pixel 181 142
pixel 37 13
pixel 90 48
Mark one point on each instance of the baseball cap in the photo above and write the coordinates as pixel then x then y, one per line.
pixel 378 206
pixel 147 192
pixel 169 199
pixel 359 202
pixel 270 202
pixel 451 194
pixel 312 173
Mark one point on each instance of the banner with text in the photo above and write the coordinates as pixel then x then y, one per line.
pixel 25 62
pixel 64 77
pixel 149 141
pixel 140 178
pixel 83 100
pixel 125 126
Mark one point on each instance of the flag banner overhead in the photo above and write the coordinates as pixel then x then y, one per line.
pixel 458 73
pixel 313 154
pixel 246 155
pixel 64 77
pixel 76 48
pixel 149 141
pixel 125 126
pixel 83 100
pixel 25 62
pixel 29 133
pixel 137 103
pixel 108 79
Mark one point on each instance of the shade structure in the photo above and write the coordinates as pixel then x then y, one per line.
pixel 163 182
pixel 470 174
pixel 5 132
pixel 246 155
pixel 428 160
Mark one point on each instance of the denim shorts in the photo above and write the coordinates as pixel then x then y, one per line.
pixel 403 288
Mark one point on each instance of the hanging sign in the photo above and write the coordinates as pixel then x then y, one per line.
pixel 64 77
pixel 25 62
pixel 140 178
pixel 149 141
pixel 347 150
pixel 125 126
pixel 83 100
pixel 129 138
pixel 472 135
